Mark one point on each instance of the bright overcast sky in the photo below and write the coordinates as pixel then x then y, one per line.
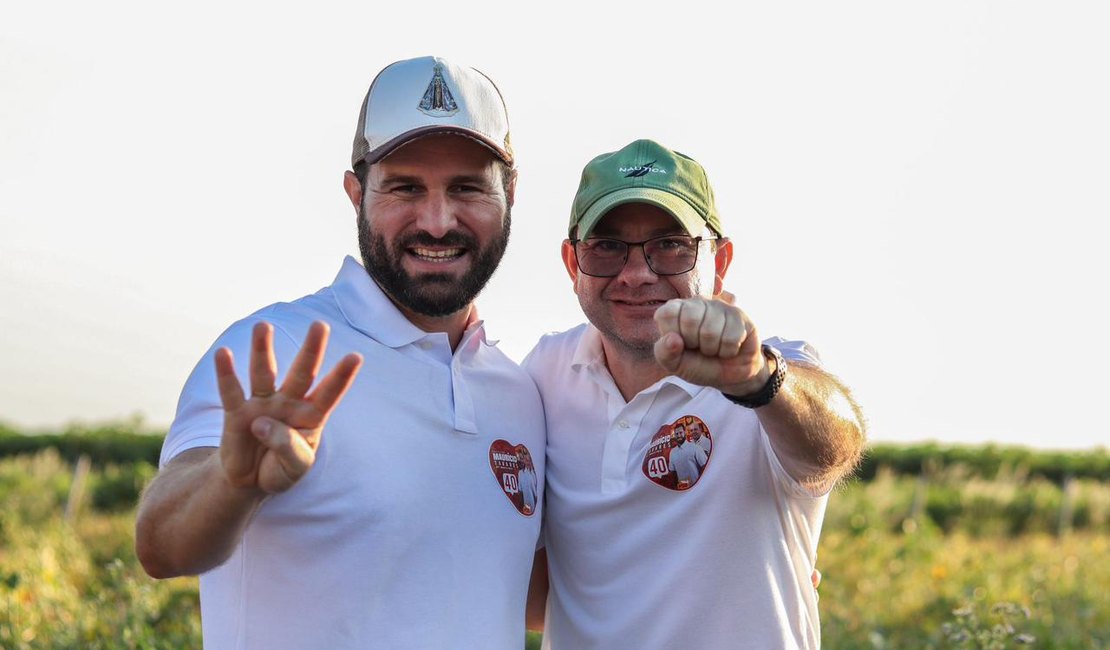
pixel 920 190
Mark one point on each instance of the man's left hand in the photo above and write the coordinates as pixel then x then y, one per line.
pixel 711 342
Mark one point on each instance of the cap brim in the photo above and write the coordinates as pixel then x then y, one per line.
pixel 683 212
pixel 396 143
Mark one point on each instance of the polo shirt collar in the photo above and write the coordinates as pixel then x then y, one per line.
pixel 589 353
pixel 475 333
pixel 589 357
pixel 368 310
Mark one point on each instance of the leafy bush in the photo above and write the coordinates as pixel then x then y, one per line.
pixel 118 487
pixel 111 442
pixel 986 461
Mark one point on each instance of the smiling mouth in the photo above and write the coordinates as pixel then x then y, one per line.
pixel 641 303
pixel 438 255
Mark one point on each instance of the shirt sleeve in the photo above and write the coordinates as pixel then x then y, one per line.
pixel 791 486
pixel 795 350
pixel 800 351
pixel 200 415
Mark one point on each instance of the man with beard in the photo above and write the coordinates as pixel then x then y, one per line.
pixel 379 521
pixel 687 459
pixel 647 256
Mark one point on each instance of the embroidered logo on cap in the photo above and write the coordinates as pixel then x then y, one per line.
pixel 641 170
pixel 679 453
pixel 437 100
pixel 516 474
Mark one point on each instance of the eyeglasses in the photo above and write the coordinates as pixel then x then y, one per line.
pixel 666 255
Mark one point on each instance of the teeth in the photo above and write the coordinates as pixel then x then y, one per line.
pixel 437 254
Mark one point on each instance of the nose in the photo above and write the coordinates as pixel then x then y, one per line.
pixel 435 215
pixel 636 270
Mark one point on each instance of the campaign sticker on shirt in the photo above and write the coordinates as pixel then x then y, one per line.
pixel 512 466
pixel 679 453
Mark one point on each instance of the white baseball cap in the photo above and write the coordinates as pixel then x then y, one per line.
pixel 418 97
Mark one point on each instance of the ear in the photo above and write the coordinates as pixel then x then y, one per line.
pixel 721 262
pixel 570 261
pixel 353 189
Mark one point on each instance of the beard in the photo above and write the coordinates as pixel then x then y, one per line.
pixel 430 294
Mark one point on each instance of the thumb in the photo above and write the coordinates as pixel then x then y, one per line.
pixel 668 351
pixel 293 452
pixel 726 297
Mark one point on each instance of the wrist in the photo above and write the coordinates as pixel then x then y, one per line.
pixel 769 381
pixel 754 383
pixel 241 490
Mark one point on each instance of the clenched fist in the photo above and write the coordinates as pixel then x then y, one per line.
pixel 711 342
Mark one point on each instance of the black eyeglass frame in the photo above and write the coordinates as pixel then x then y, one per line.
pixel 628 245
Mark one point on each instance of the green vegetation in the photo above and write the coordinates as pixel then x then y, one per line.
pixel 76 583
pixel 946 562
pixel 933 547
pixel 986 461
pixel 122 442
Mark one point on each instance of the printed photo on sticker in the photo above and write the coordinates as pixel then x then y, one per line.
pixel 679 453
pixel 516 474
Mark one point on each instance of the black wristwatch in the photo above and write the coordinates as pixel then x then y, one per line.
pixel 763 396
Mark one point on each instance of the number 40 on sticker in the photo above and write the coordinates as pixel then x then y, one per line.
pixel 657 467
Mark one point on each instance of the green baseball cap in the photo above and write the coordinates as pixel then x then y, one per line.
pixel 645 172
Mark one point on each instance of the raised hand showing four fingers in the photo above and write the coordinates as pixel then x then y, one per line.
pixel 710 342
pixel 270 438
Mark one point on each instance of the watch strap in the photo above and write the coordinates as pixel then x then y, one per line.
pixel 764 395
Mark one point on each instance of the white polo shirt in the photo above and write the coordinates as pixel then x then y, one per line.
pixel 641 559
pixel 408 531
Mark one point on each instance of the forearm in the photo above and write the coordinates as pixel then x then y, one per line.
pixel 815 425
pixel 535 611
pixel 190 518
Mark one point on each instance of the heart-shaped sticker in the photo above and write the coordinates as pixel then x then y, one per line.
pixel 516 474
pixel 679 453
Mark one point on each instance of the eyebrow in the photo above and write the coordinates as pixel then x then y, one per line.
pixel 461 179
pixel 400 179
pixel 469 179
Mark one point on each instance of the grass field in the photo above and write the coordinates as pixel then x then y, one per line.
pixel 943 561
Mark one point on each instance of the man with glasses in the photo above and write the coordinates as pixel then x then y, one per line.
pixel 634 558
